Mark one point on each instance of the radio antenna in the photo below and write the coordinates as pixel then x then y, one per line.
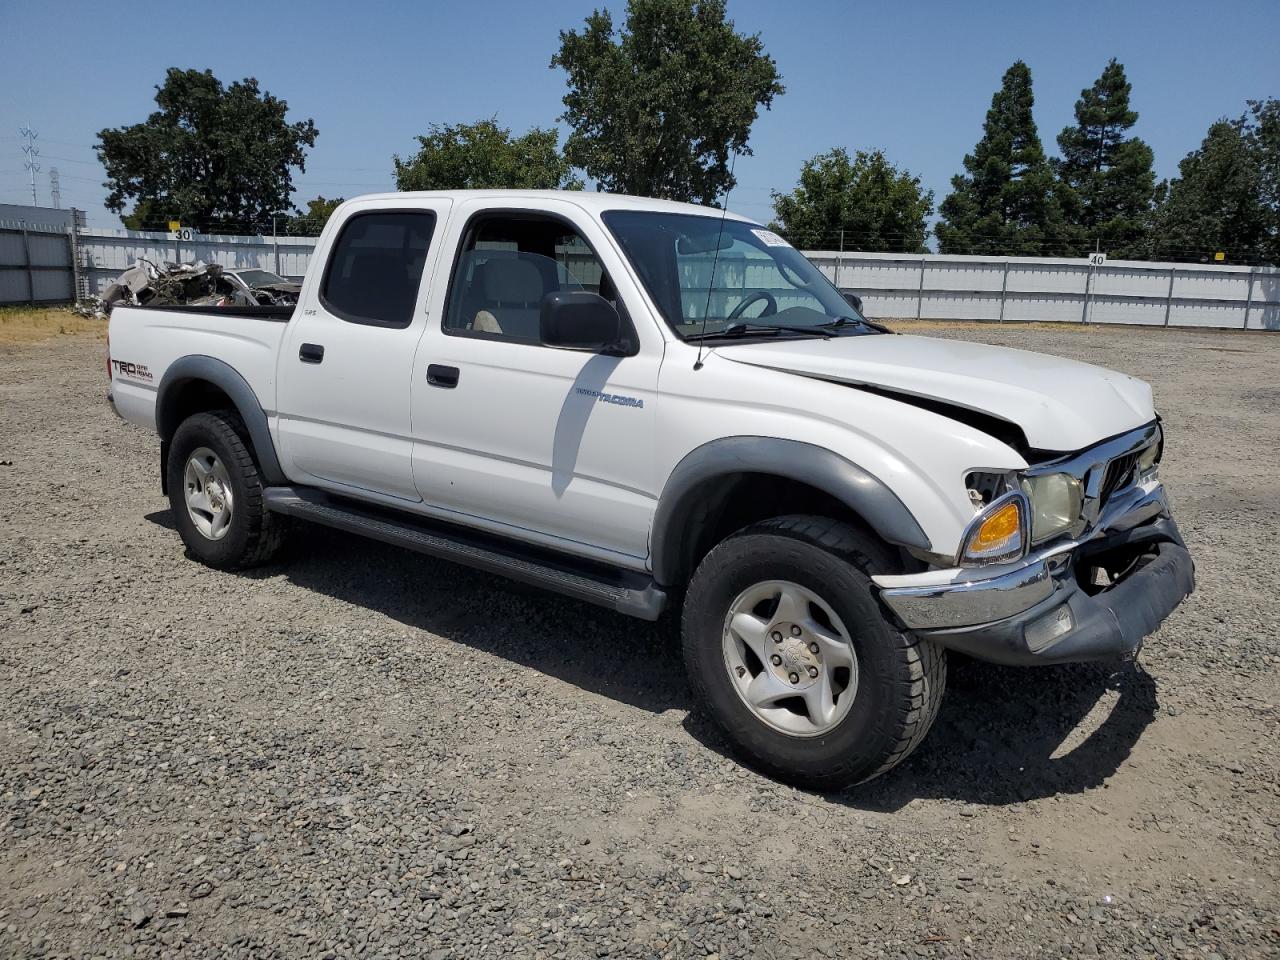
pixel 724 212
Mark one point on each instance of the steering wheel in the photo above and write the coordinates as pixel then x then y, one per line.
pixel 771 305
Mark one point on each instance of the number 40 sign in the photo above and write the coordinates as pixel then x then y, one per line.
pixel 1097 259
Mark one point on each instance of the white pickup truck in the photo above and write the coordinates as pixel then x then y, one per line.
pixel 655 406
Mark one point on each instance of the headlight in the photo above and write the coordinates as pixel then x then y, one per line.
pixel 1149 459
pixel 1056 499
pixel 997 534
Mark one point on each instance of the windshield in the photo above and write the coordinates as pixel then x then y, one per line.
pixel 255 277
pixel 726 272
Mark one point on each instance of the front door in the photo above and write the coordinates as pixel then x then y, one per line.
pixel 346 363
pixel 552 445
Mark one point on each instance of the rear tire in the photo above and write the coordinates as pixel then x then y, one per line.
pixel 837 694
pixel 215 491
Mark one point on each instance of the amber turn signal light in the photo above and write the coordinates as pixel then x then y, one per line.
pixel 997 534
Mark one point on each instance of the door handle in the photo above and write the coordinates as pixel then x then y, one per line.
pixel 439 375
pixel 311 353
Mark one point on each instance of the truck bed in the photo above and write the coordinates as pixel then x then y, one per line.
pixel 144 341
pixel 273 313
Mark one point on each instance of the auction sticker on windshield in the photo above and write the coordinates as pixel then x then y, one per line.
pixel 770 239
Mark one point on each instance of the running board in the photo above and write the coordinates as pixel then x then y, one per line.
pixel 631 593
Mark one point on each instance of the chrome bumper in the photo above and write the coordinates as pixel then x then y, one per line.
pixel 963 603
pixel 1006 613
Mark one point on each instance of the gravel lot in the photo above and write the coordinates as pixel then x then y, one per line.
pixel 364 752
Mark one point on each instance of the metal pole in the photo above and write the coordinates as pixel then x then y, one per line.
pixel 1088 279
pixel 1004 287
pixel 72 256
pixel 26 249
pixel 920 289
pixel 1248 303
pixel 275 244
pixel 32 152
pixel 1168 300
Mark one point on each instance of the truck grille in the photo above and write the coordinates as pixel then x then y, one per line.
pixel 1118 476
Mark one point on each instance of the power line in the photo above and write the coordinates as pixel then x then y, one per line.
pixel 87 163
pixel 65 176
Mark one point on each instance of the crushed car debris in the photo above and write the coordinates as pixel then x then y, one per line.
pixel 191 284
pixel 278 290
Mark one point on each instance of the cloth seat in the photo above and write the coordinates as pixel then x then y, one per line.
pixel 509 292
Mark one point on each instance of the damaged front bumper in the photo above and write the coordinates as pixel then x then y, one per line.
pixel 1047 608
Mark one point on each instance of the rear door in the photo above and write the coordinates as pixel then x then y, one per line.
pixel 346 364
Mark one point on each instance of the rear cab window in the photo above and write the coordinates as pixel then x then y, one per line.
pixel 375 267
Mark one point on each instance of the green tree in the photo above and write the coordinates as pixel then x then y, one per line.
pixel 658 107
pixel 211 156
pixel 1007 201
pixel 874 204
pixel 310 222
pixel 1110 178
pixel 1225 195
pixel 479 155
pixel 1261 127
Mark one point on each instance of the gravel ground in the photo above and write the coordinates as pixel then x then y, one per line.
pixel 361 752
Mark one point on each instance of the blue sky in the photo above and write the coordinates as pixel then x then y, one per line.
pixel 914 79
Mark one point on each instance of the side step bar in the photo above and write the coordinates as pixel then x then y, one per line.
pixel 631 593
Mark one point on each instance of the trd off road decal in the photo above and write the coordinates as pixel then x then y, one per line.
pixel 134 371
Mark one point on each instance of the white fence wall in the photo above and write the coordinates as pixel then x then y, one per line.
pixel 105 253
pixel 892 286
pixel 933 286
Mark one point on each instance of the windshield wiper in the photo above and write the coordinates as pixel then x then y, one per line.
pixel 754 329
pixel 844 321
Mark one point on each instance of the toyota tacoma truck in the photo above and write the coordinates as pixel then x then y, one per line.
pixel 653 407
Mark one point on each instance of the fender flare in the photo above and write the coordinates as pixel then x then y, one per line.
pixel 227 379
pixel 676 522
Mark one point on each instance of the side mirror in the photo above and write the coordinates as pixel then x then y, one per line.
pixel 853 300
pixel 579 320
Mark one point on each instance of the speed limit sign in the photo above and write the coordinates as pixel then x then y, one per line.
pixel 182 234
pixel 1097 259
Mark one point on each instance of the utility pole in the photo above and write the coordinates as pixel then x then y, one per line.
pixel 839 260
pixel 32 152
pixel 275 244
pixel 54 192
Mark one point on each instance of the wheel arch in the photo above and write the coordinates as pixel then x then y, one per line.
pixel 196 383
pixel 697 501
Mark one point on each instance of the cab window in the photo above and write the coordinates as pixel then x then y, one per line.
pixel 507 264
pixel 376 266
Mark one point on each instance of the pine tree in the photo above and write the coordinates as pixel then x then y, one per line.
pixel 1110 177
pixel 1218 201
pixel 1008 201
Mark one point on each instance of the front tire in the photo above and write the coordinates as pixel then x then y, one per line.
pixel 215 491
pixel 794 658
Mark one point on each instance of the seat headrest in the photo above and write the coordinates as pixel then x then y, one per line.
pixel 512 281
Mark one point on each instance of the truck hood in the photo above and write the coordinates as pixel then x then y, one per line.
pixel 1059 404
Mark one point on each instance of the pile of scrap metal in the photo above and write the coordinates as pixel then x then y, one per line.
pixel 193 284
pixel 271 289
